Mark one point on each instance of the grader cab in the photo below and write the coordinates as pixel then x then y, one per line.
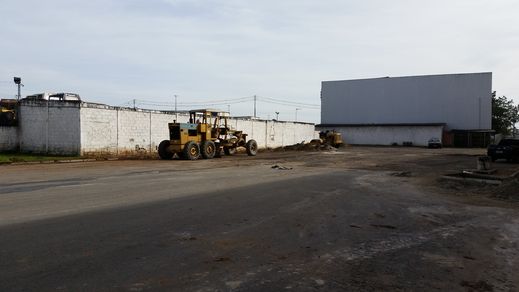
pixel 205 135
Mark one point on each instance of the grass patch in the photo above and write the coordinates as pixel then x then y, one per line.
pixel 22 157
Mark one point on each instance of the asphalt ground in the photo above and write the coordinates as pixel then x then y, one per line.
pixel 340 221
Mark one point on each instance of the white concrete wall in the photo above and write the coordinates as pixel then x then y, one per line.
pixel 387 135
pixel 8 138
pixel 51 127
pixel 462 101
pixel 98 130
pixel 271 134
pixel 106 129
pixel 69 128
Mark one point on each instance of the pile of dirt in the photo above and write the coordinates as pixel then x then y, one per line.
pixel 508 190
pixel 312 146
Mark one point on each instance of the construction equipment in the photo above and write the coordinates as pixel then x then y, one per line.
pixel 332 138
pixel 8 112
pixel 206 134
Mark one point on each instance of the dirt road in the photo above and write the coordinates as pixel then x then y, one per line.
pixel 362 218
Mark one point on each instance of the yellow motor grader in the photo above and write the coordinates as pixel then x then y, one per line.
pixel 205 135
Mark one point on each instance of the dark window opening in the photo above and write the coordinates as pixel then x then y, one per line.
pixel 174 133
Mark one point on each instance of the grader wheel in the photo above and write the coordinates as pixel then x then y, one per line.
pixel 208 149
pixel 191 151
pixel 251 147
pixel 164 153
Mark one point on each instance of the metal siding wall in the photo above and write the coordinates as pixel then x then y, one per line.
pixel 462 101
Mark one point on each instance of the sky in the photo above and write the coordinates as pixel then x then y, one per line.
pixel 114 51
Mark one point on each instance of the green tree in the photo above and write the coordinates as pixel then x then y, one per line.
pixel 504 115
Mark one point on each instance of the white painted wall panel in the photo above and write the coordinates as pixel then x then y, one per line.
pixel 98 130
pixel 462 101
pixel 49 127
pixel 8 138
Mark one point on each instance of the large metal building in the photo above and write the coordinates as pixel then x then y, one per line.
pixel 455 108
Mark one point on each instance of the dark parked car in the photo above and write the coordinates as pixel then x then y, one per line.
pixel 434 143
pixel 507 148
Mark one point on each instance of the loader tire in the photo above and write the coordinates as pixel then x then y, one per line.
pixel 164 152
pixel 208 149
pixel 191 151
pixel 251 147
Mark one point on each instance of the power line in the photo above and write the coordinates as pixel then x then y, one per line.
pixel 220 101
pixel 274 100
pixel 142 103
pixel 291 104
pixel 169 104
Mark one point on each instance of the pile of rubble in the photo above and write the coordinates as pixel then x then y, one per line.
pixel 314 145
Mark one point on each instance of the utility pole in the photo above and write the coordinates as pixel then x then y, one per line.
pixel 297 109
pixel 176 114
pixel 229 109
pixel 277 115
pixel 255 105
pixel 134 108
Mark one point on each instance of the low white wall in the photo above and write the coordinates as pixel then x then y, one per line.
pixel 49 127
pixel 387 135
pixel 272 134
pixel 106 129
pixel 68 128
pixel 8 138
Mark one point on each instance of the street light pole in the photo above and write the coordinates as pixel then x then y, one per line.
pixel 18 81
pixel 255 105
pixel 297 109
pixel 277 115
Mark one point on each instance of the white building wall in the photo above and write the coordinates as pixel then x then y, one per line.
pixel 49 127
pixel 461 101
pixel 8 138
pixel 387 135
